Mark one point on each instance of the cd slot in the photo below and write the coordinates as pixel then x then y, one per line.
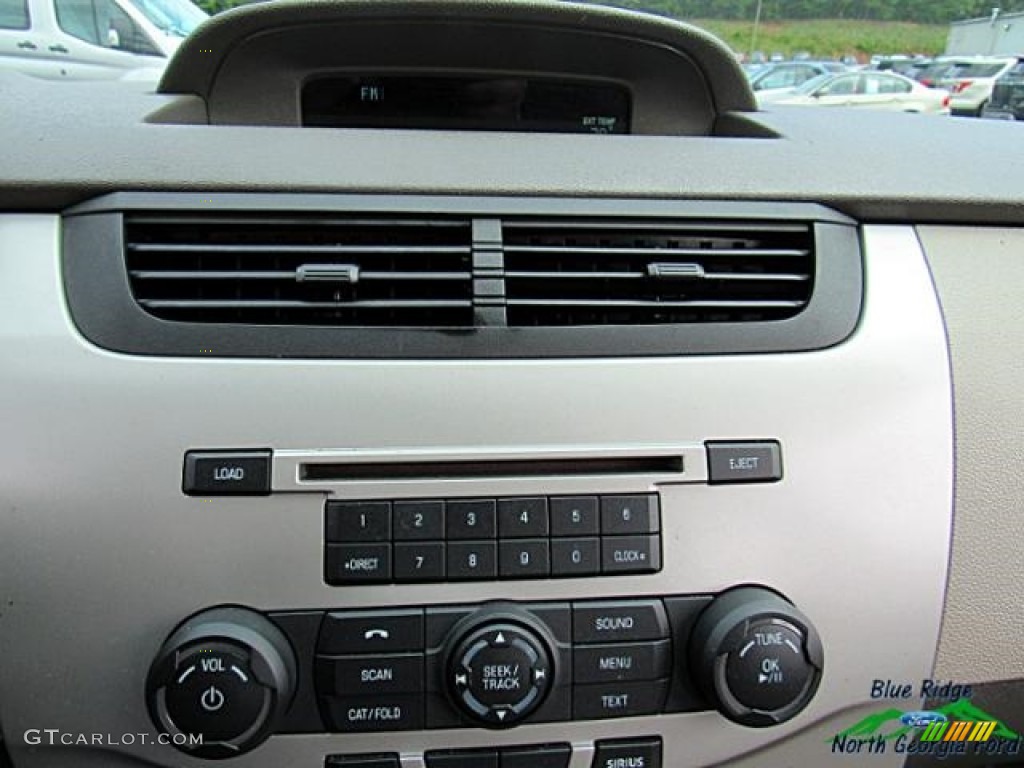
pixel 338 471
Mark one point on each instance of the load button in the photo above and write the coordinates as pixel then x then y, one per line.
pixel 226 473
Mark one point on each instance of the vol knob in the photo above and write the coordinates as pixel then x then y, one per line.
pixel 221 682
pixel 756 657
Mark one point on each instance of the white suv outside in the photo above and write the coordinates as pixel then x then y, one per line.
pixel 970 81
pixel 93 39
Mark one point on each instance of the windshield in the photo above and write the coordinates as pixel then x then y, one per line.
pixel 980 69
pixel 175 17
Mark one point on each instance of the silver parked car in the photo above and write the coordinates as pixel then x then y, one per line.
pixel 874 90
pixel 788 75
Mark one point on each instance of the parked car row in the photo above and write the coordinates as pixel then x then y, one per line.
pixel 93 39
pixel 973 86
pixel 970 80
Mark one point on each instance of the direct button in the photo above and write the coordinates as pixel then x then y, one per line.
pixel 357 563
pixel 226 473
pixel 757 461
pixel 619 621
pixel 628 753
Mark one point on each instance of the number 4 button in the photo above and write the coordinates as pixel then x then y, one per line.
pixel 522 517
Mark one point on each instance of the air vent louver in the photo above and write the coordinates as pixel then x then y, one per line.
pixel 302 270
pixel 573 273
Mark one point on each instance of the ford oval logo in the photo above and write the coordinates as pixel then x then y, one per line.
pixel 921 719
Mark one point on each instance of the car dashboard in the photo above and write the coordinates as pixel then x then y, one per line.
pixel 447 384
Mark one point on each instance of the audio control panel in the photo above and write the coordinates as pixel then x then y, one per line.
pixel 236 676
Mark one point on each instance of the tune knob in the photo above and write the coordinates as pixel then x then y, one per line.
pixel 221 682
pixel 756 657
pixel 500 668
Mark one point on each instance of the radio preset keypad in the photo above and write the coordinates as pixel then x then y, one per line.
pixel 482 539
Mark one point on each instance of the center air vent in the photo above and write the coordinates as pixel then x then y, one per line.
pixel 302 270
pixel 650 273
pixel 419 277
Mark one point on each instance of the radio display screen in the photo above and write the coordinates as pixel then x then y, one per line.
pixel 466 103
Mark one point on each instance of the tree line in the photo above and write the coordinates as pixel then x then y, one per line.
pixel 920 11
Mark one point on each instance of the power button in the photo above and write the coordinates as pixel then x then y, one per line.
pixel 212 699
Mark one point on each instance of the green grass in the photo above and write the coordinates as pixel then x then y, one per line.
pixel 831 38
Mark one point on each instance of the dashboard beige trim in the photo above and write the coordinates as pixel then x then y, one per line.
pixel 979 274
